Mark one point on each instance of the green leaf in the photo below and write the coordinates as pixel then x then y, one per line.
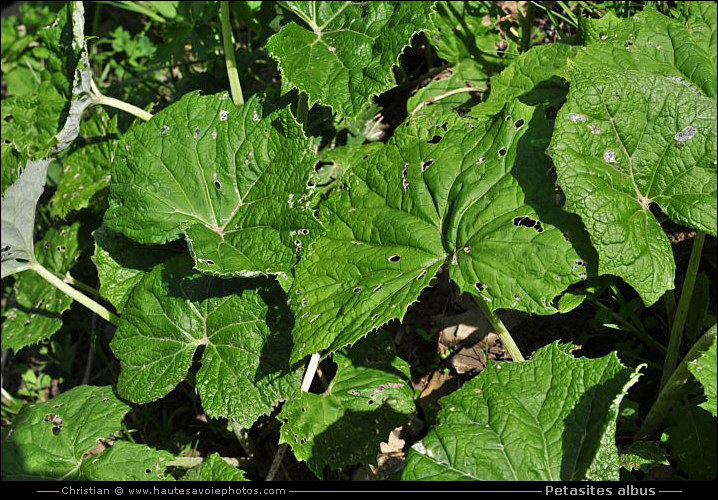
pixel 11 166
pixel 369 396
pixel 346 56
pixel 532 78
pixel 86 170
pixel 233 180
pixel 692 441
pixel 623 142
pixel 214 469
pixel 551 418
pixel 34 309
pixel 656 41
pixel 704 370
pixel 50 440
pixel 242 325
pixel 121 263
pixel 18 217
pixel 643 455
pixel 125 461
pixel 465 30
pixel 481 199
pixel 47 119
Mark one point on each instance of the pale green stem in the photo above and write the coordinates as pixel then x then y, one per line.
pixel 671 390
pixel 79 284
pixel 674 343
pixel 83 299
pixel 228 42
pixel 500 329
pixel 103 100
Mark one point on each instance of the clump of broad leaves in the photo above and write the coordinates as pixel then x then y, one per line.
pixel 224 246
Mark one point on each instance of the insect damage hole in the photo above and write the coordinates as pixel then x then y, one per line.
pixel 426 164
pixel 527 221
pixel 519 123
pixel 502 152
pixel 215 181
pixel 395 258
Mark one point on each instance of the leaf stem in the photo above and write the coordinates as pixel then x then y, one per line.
pixel 228 43
pixel 103 100
pixel 500 329
pixel 674 343
pixel 669 301
pixel 671 389
pixel 75 294
pixel 79 284
pixel 302 114
pixel 243 438
pixel 526 27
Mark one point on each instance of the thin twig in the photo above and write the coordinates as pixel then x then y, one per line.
pixel 306 383
pixel 442 96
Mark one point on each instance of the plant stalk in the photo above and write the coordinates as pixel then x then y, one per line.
pixel 669 302
pixel 500 329
pixel 526 27
pixel 671 390
pixel 103 100
pixel 243 438
pixel 80 297
pixel 235 86
pixel 303 110
pixel 674 343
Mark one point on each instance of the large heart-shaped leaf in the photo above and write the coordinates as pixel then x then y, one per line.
pixel 624 141
pixel 346 55
pixel 242 326
pixel 232 180
pixel 551 418
pixel 59 439
pixel 480 198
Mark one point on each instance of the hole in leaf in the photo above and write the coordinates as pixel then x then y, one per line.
pixel 502 152
pixel 435 140
pixel 395 258
pixel 518 123
pixel 527 221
